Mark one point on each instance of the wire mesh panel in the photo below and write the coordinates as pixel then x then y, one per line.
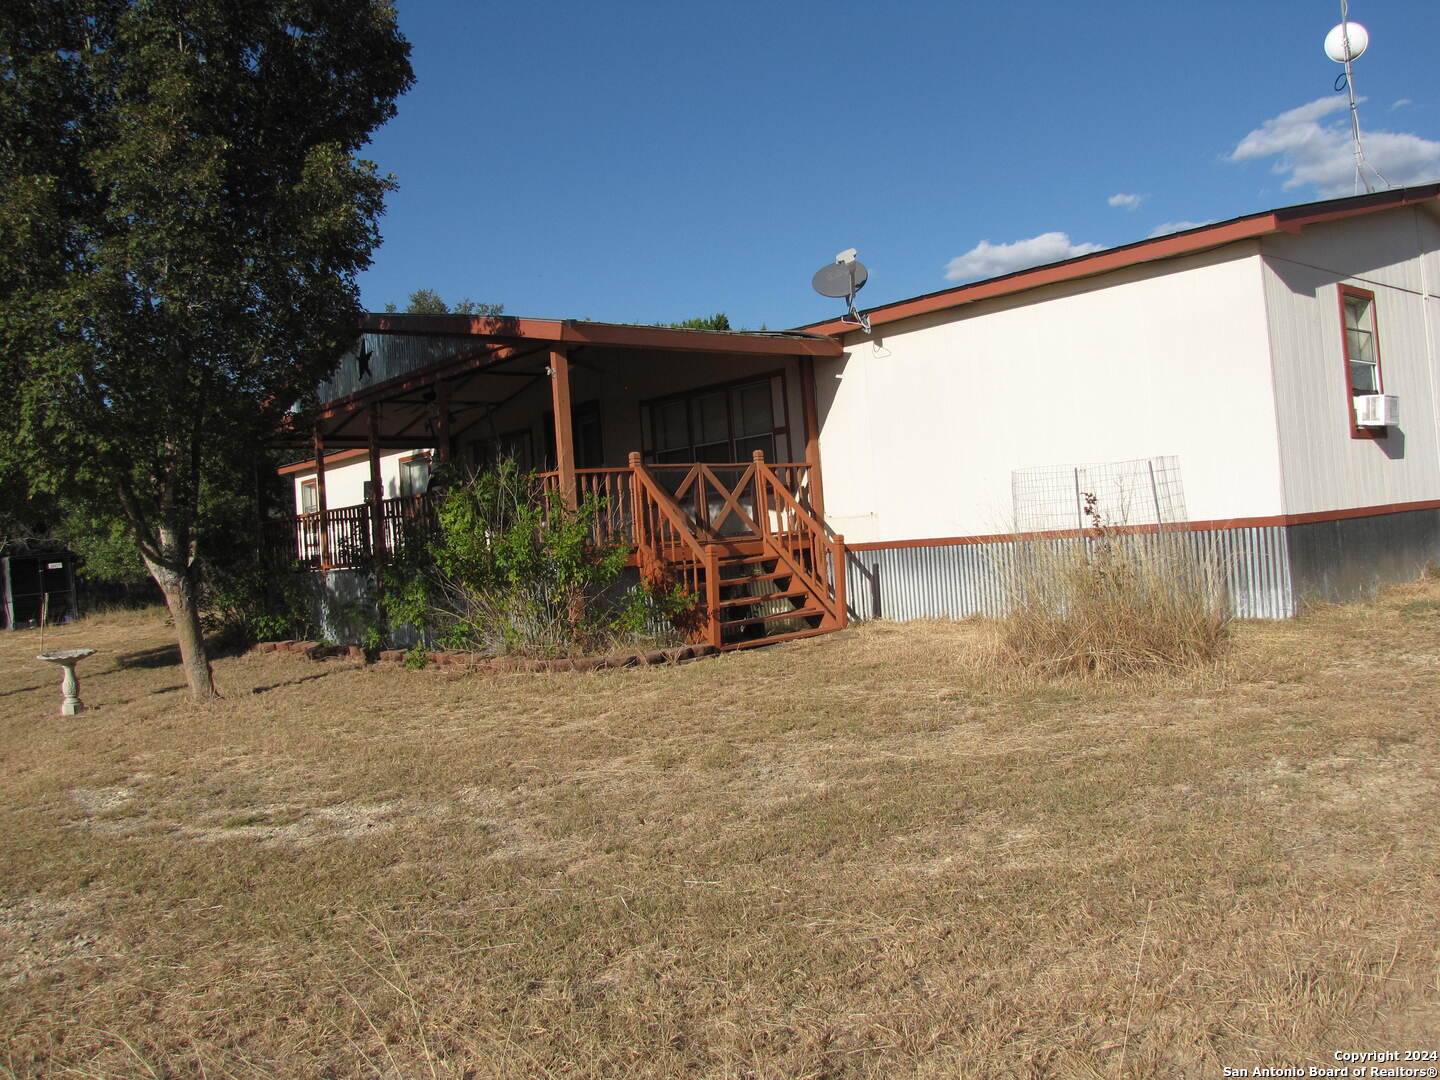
pixel 1053 498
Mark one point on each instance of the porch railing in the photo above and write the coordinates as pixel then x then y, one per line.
pixel 348 532
pixel 716 500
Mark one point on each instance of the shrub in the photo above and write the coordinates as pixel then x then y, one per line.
pixel 510 569
pixel 255 601
pixel 1112 604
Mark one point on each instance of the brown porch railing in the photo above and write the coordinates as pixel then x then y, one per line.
pixel 717 501
pixel 297 539
pixel 793 533
pixel 613 488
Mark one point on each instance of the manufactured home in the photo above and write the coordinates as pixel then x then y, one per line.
pixel 1265 385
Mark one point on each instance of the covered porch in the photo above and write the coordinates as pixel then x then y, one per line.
pixel 702 446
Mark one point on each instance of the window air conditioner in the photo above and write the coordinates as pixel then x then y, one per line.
pixel 1377 410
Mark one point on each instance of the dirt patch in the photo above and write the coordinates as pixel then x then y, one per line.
pixel 39 935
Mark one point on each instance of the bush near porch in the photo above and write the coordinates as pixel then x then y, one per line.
pixel 511 569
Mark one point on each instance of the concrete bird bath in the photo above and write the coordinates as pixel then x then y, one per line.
pixel 69 685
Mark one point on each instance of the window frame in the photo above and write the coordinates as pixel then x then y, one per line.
pixel 780 419
pixel 400 480
pixel 309 487
pixel 1354 291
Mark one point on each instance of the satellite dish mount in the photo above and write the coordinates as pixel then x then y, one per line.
pixel 1344 44
pixel 843 278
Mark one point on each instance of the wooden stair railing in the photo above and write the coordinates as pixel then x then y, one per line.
pixel 797 538
pixel 670 553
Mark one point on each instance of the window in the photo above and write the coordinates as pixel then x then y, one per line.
pixel 486 453
pixel 1362 352
pixel 585 431
pixel 309 496
pixel 414 475
pixel 726 423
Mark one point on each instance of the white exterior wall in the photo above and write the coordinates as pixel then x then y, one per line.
pixel 921 428
pixel 1395 255
pixel 345 482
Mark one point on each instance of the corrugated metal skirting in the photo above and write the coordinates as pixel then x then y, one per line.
pixel 956 580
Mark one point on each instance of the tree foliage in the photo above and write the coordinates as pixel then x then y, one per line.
pixel 718 321
pixel 429 302
pixel 182 216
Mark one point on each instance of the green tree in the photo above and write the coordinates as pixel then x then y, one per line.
pixel 182 216
pixel 429 302
pixel 718 321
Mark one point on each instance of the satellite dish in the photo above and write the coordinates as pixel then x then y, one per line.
pixel 1335 42
pixel 841 280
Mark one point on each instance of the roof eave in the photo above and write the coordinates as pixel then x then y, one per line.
pixel 1204 238
pixel 575 333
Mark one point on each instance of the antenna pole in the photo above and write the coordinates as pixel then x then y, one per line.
pixel 1360 163
pixel 1354 109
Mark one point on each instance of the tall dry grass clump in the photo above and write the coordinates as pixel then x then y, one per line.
pixel 1112 604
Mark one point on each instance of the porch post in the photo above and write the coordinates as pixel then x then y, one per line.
pixel 442 423
pixel 377 490
pixel 564 433
pixel 321 506
pixel 811 409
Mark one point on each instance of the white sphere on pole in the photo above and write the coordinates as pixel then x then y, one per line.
pixel 1335 42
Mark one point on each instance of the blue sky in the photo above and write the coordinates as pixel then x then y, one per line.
pixel 646 162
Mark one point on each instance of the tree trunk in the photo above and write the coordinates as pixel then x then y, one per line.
pixel 179 589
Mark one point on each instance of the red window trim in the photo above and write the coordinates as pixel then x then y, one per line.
pixel 312 483
pixel 1342 291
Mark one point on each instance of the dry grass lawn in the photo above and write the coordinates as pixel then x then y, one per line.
pixel 857 856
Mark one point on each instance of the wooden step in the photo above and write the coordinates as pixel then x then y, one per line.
pixel 760 598
pixel 755 620
pixel 774 576
pixel 751 643
pixel 744 560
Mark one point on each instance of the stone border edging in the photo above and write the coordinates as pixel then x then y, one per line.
pixel 472 662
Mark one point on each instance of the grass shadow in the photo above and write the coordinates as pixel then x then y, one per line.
pixel 149 693
pixel 158 657
pixel 293 682
pixel 23 689
pixel 162 656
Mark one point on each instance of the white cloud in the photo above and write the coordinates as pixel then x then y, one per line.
pixel 1312 150
pixel 1401 103
pixel 986 260
pixel 1129 202
pixel 1169 227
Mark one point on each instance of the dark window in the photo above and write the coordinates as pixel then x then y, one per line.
pixel 715 424
pixel 514 446
pixel 585 430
